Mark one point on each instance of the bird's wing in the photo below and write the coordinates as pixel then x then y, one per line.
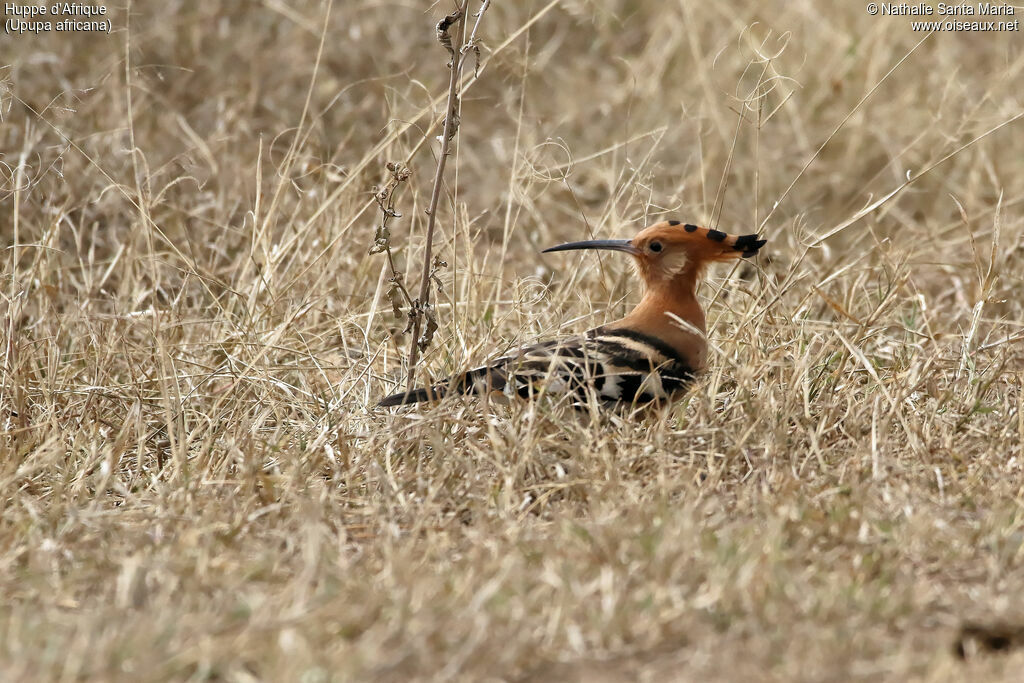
pixel 613 365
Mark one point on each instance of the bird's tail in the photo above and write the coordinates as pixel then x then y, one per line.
pixel 478 381
pixel 431 393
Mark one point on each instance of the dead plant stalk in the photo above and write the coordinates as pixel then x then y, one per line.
pixel 421 307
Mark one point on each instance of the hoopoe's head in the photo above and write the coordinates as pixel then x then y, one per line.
pixel 670 251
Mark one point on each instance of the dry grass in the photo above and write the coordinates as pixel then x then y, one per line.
pixel 194 483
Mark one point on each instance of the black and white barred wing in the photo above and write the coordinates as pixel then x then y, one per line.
pixel 611 365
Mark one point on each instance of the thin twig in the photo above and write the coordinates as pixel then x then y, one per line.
pixel 385 198
pixel 355 173
pixel 421 309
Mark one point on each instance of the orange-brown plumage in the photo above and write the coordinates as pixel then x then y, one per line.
pixel 670 277
pixel 650 354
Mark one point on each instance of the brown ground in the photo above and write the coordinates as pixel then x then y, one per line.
pixel 194 483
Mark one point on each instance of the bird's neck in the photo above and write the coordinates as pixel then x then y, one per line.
pixel 656 315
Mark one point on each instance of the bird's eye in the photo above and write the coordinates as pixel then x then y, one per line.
pixel 655 247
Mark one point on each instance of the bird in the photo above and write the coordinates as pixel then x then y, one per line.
pixel 650 355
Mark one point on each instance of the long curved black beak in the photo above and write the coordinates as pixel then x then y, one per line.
pixel 611 245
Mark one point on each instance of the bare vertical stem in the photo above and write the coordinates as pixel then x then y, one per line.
pixel 451 122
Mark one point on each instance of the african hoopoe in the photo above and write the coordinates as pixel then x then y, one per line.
pixel 648 355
